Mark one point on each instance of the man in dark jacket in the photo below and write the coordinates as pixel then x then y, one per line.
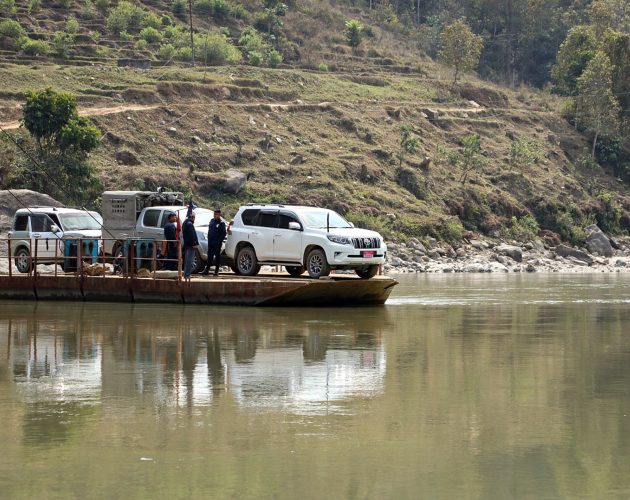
pixel 190 242
pixel 170 235
pixel 216 235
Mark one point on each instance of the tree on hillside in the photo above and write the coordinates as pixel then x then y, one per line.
pixel 354 30
pixel 460 48
pixel 63 141
pixel 596 106
pixel 575 53
pixel 616 45
pixel 610 14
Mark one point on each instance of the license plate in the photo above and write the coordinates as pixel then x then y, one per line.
pixel 368 254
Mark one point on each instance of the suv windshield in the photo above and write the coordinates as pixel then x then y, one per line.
pixel 323 218
pixel 80 222
pixel 202 217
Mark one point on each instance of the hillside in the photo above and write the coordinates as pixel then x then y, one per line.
pixel 329 138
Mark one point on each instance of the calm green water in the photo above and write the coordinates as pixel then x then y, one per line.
pixel 480 386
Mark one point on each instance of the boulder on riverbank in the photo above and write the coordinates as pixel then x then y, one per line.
pixel 597 242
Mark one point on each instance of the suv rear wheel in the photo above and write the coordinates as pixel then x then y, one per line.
pixel 367 272
pixel 295 271
pixel 246 262
pixel 316 264
pixel 23 260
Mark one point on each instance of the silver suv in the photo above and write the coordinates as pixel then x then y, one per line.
pixel 50 228
pixel 301 239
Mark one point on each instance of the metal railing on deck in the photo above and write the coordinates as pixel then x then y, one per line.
pixel 86 256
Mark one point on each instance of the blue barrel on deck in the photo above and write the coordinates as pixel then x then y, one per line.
pixel 144 253
pixel 89 253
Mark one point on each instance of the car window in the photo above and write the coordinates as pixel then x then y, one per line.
pixel 266 219
pixel 80 222
pixel 319 219
pixel 151 218
pixel 284 219
pixel 249 216
pixel 40 223
pixel 21 223
pixel 165 216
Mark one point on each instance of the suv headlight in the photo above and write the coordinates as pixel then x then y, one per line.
pixel 342 240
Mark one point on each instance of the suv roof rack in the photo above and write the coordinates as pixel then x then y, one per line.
pixel 265 205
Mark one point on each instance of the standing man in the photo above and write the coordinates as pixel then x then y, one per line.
pixel 216 235
pixel 190 242
pixel 170 235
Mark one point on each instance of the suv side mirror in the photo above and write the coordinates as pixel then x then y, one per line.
pixel 54 228
pixel 295 226
pixel 351 224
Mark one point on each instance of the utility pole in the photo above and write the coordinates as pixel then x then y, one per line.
pixel 192 39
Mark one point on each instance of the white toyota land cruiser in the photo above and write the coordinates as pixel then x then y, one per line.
pixel 301 239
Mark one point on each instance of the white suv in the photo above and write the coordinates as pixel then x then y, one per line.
pixel 301 238
pixel 50 229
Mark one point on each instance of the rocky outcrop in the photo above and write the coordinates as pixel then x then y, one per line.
pixel 514 252
pixel 479 255
pixel 597 242
pixel 11 200
pixel 567 251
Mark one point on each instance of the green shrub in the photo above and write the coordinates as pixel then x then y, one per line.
pixel 11 29
pixel 34 47
pixel 274 58
pixel 151 35
pixel 125 35
pixel 150 20
pixel 610 215
pixel 102 5
pixel 521 229
pixel 178 8
pixel 72 26
pixel 95 36
pixel 221 9
pixel 7 7
pixel 88 11
pixel 166 20
pixel 33 6
pixel 61 43
pixel 141 44
pixel 126 16
pixel 203 6
pixel 451 230
pixel 254 58
pixel 524 154
pixel 238 11
pixel 257 50
pixel 184 54
pixel 215 48
pixel 166 52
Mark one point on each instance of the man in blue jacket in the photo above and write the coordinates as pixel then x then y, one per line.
pixel 170 235
pixel 190 242
pixel 216 235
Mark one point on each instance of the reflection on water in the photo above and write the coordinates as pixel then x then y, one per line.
pixel 66 353
pixel 461 387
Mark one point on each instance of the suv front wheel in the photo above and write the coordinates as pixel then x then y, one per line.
pixel 246 262
pixel 367 272
pixel 23 260
pixel 316 264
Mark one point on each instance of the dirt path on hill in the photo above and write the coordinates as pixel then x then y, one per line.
pixel 98 111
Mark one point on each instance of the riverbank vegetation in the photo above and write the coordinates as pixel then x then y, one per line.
pixel 347 104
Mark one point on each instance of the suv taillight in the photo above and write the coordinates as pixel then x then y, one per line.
pixel 229 227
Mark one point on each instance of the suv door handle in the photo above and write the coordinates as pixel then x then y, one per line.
pixel 36 235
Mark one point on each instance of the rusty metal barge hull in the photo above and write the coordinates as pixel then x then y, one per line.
pixel 264 290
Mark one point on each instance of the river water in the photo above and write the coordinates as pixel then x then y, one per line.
pixel 462 386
